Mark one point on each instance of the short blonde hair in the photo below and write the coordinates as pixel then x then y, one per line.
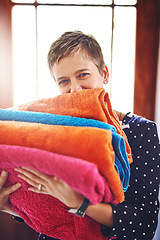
pixel 71 42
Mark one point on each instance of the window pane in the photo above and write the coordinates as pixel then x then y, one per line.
pixel 100 2
pixel 24 54
pixel 123 58
pixel 125 2
pixel 54 20
pixel 23 1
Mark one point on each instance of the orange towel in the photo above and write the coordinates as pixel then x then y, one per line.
pixel 90 103
pixel 91 144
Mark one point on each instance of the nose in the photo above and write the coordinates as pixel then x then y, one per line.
pixel 75 87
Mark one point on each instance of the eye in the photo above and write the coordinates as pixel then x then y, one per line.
pixel 84 75
pixel 63 82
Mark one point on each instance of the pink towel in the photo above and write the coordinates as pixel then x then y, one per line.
pixel 45 213
pixel 87 143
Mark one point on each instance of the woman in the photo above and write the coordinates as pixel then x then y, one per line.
pixel 76 63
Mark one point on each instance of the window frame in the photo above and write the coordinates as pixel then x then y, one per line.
pixel 111 61
pixel 145 83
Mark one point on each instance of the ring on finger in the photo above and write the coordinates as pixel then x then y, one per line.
pixel 40 187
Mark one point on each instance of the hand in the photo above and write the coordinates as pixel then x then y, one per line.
pixel 50 185
pixel 5 192
pixel 55 187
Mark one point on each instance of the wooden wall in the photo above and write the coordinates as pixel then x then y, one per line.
pixel 12 230
pixel 6 97
pixel 147 40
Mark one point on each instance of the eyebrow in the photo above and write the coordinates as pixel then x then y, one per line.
pixel 81 70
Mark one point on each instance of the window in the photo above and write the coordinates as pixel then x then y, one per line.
pixel 36 24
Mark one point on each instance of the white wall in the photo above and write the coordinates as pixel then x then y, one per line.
pixel 157 119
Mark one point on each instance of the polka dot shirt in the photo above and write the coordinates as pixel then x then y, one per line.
pixel 136 218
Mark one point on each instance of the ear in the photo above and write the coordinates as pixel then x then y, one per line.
pixel 105 75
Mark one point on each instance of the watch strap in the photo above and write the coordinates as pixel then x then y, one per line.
pixel 80 211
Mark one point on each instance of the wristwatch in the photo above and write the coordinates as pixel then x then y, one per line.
pixel 81 210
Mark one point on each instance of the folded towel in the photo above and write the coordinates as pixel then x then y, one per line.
pixel 89 103
pixel 121 160
pixel 91 144
pixel 81 175
pixel 45 213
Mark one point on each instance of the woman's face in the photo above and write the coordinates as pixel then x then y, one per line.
pixel 77 72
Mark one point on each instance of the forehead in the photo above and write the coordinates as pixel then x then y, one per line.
pixel 72 63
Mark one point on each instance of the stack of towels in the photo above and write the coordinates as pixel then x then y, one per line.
pixel 76 137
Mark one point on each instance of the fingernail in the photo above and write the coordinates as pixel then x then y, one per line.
pixel 19 184
pixel 17 169
pixel 4 173
pixel 55 178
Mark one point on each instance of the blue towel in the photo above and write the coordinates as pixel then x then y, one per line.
pixel 121 160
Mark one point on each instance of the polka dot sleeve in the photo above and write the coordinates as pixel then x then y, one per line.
pixel 136 218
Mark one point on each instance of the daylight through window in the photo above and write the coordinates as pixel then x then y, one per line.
pixel 36 24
